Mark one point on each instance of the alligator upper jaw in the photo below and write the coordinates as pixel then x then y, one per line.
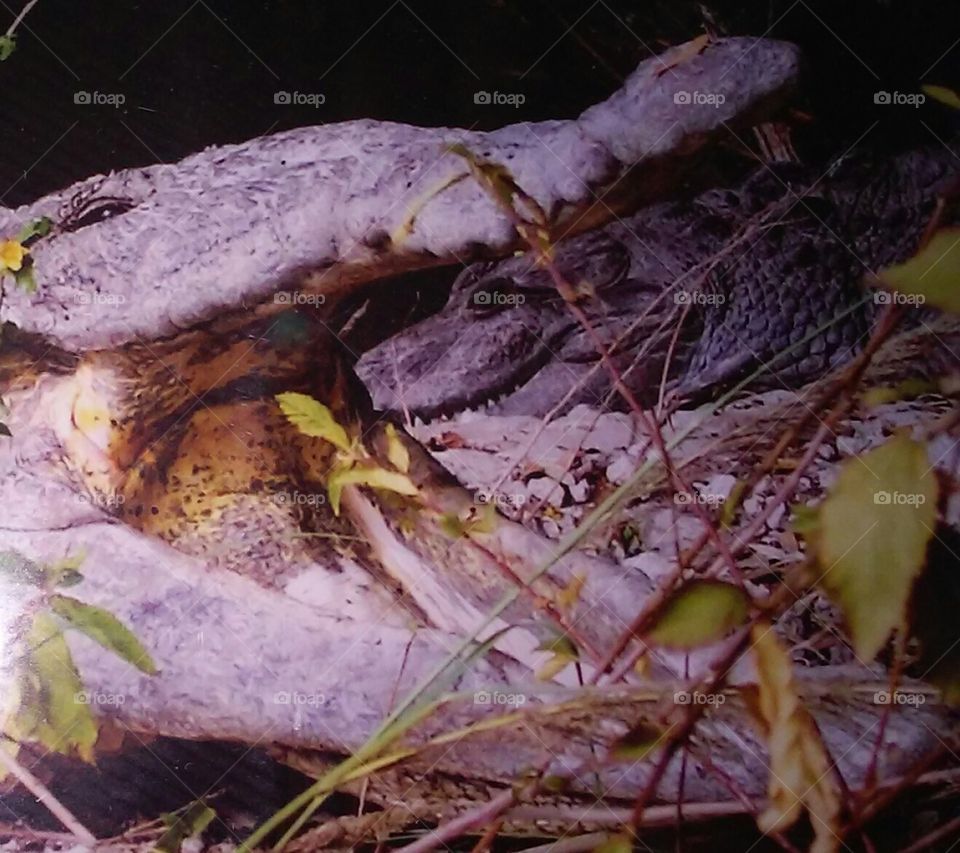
pixel 229 226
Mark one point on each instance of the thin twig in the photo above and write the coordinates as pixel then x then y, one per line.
pixel 19 19
pixel 43 795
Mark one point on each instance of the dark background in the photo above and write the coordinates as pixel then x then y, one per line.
pixel 202 72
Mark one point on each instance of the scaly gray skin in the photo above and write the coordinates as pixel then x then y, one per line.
pixel 505 338
pixel 168 246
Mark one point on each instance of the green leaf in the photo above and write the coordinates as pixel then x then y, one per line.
pixel 563 652
pixel 932 276
pixel 908 389
pixel 25 278
pixel 874 529
pixel 103 628
pixel 313 418
pixel 943 94
pixel 397 451
pixel 193 821
pixel 20 570
pixel 638 743
pixel 51 710
pixel 701 612
pixel 36 228
pixel 8 44
pixel 366 475
pixel 621 843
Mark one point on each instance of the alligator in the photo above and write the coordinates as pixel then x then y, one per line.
pixel 147 438
pixel 761 278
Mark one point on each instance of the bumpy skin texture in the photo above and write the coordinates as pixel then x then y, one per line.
pixel 144 253
pixel 751 273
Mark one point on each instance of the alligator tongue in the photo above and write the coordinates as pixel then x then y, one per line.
pixel 231 226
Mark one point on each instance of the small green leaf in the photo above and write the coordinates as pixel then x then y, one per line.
pixel 908 389
pixel 701 612
pixel 66 572
pixel 806 519
pixel 105 629
pixel 932 276
pixel 638 743
pixel 25 279
pixel 563 652
pixel 313 418
pixel 51 710
pixel 8 44
pixel 943 94
pixel 36 228
pixel 193 821
pixel 451 525
pixel 397 451
pixel 874 529
pixel 361 474
pixel 18 569
pixel 621 843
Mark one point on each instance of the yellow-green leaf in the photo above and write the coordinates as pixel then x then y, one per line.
pixel 943 94
pixel 638 743
pixel 563 651
pixel 701 612
pixel 313 418
pixel 193 821
pixel 615 844
pixel 932 276
pixel 800 774
pixel 103 628
pixel 905 390
pixel 52 711
pixel 366 475
pixel 874 528
pixel 397 451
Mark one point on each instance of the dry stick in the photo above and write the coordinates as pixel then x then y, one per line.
pixel 741 795
pixel 19 19
pixel 933 837
pixel 896 671
pixel 882 797
pixel 851 377
pixel 472 819
pixel 843 390
pixel 43 795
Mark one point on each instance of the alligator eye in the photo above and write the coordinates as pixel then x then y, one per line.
pixel 97 212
